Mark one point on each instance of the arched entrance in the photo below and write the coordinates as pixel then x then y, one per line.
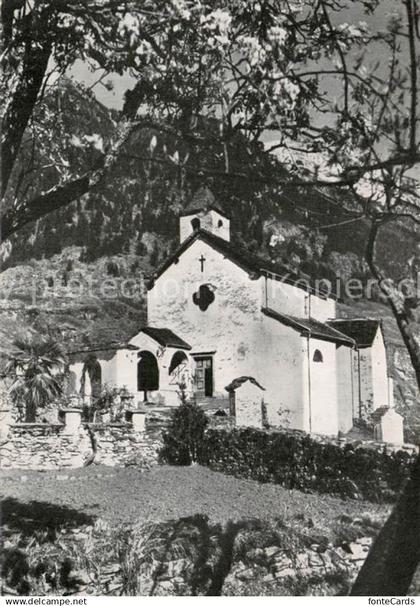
pixel 147 373
pixel 179 373
pixel 178 362
pixel 91 383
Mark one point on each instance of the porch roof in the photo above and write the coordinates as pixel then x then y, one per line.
pixel 165 337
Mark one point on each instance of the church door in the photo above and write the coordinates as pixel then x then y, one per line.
pixel 204 376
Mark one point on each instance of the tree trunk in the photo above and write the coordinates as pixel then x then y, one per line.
pixel 395 555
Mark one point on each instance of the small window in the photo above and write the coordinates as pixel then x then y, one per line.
pixel 220 223
pixel 318 356
pixel 203 297
pixel 195 223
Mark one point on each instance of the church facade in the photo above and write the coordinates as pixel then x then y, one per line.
pixel 216 312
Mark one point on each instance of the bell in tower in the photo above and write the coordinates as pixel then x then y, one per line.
pixel 204 213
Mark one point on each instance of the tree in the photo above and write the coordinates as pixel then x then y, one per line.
pixel 188 60
pixel 342 96
pixel 36 365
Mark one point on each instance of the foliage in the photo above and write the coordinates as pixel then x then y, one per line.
pixel 177 54
pixel 37 366
pixel 109 401
pixel 184 438
pixel 297 460
pixel 241 67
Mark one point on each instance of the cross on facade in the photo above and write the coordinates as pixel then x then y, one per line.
pixel 202 259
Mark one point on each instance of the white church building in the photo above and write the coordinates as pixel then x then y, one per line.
pixel 216 312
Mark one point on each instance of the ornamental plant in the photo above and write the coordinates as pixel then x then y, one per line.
pixel 184 439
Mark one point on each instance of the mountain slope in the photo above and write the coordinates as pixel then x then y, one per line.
pixel 54 276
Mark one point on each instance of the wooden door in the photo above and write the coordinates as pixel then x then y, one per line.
pixel 204 376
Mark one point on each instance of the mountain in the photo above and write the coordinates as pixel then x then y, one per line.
pixel 54 274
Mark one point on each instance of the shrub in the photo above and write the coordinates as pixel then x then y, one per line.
pixel 184 438
pixel 297 460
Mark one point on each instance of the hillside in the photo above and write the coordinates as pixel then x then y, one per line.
pixel 55 272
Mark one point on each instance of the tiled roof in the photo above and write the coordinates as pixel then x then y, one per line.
pixel 203 199
pixel 250 262
pixel 309 327
pixel 240 380
pixel 361 330
pixel 165 337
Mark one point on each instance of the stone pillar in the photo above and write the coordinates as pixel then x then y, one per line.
pixel 72 420
pixel 138 420
pixel 5 420
pixel 390 427
pixel 87 396
pixel 246 402
pixel 390 392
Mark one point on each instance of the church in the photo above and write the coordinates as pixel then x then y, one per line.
pixel 216 312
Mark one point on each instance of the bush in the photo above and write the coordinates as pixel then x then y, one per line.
pixel 297 460
pixel 184 438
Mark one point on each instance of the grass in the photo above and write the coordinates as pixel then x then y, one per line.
pixel 163 493
pixel 85 522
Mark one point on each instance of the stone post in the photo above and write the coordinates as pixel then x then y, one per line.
pixel 390 392
pixel 389 427
pixel 5 420
pixel 392 427
pixel 246 401
pixel 72 420
pixel 138 420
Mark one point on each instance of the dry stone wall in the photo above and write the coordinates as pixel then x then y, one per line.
pixel 122 445
pixel 41 446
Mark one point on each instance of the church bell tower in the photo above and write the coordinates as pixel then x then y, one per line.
pixel 203 212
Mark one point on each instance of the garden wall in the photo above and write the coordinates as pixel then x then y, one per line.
pixel 71 444
pixel 43 446
pixel 122 445
pixel 295 459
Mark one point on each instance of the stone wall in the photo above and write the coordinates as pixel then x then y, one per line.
pixel 122 445
pixel 43 446
pixel 40 446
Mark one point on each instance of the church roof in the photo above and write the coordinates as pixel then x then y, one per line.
pixel 250 262
pixel 310 327
pixel 165 337
pixel 203 199
pixel 361 330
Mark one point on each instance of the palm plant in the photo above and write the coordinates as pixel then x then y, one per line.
pixel 36 365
